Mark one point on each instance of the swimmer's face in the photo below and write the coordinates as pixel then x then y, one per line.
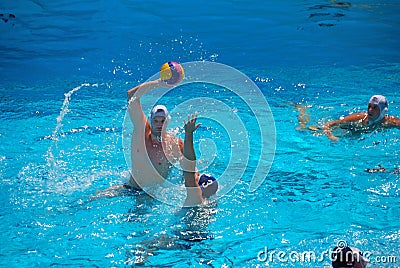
pixel 157 123
pixel 373 111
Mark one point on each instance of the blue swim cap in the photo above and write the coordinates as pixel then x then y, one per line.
pixel 208 185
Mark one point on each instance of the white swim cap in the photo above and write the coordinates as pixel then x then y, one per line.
pixel 160 110
pixel 382 104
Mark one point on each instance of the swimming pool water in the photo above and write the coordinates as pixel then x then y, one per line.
pixel 64 74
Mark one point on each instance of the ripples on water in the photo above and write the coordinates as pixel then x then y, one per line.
pixel 311 198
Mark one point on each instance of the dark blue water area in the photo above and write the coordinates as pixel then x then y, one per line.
pixel 129 39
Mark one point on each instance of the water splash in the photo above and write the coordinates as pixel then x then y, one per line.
pixel 50 159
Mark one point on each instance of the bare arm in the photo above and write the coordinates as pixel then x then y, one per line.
pixel 194 194
pixel 327 128
pixel 189 161
pixel 142 89
pixel 135 108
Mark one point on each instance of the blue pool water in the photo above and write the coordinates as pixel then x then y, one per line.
pixel 65 69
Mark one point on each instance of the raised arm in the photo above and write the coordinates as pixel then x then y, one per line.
pixel 189 156
pixel 142 89
pixel 135 108
pixel 194 194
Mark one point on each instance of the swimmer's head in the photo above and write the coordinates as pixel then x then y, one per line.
pixel 342 257
pixel 208 185
pixel 158 119
pixel 381 102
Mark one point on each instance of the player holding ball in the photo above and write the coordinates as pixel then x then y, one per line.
pixel 154 150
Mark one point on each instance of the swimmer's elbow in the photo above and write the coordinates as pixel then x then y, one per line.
pixel 130 93
pixel 133 92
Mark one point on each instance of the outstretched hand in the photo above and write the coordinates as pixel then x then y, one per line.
pixel 190 125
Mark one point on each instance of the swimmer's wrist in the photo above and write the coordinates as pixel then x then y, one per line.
pixel 331 136
pixel 189 132
pixel 162 83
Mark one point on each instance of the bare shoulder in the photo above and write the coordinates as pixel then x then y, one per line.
pixel 392 121
pixel 142 130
